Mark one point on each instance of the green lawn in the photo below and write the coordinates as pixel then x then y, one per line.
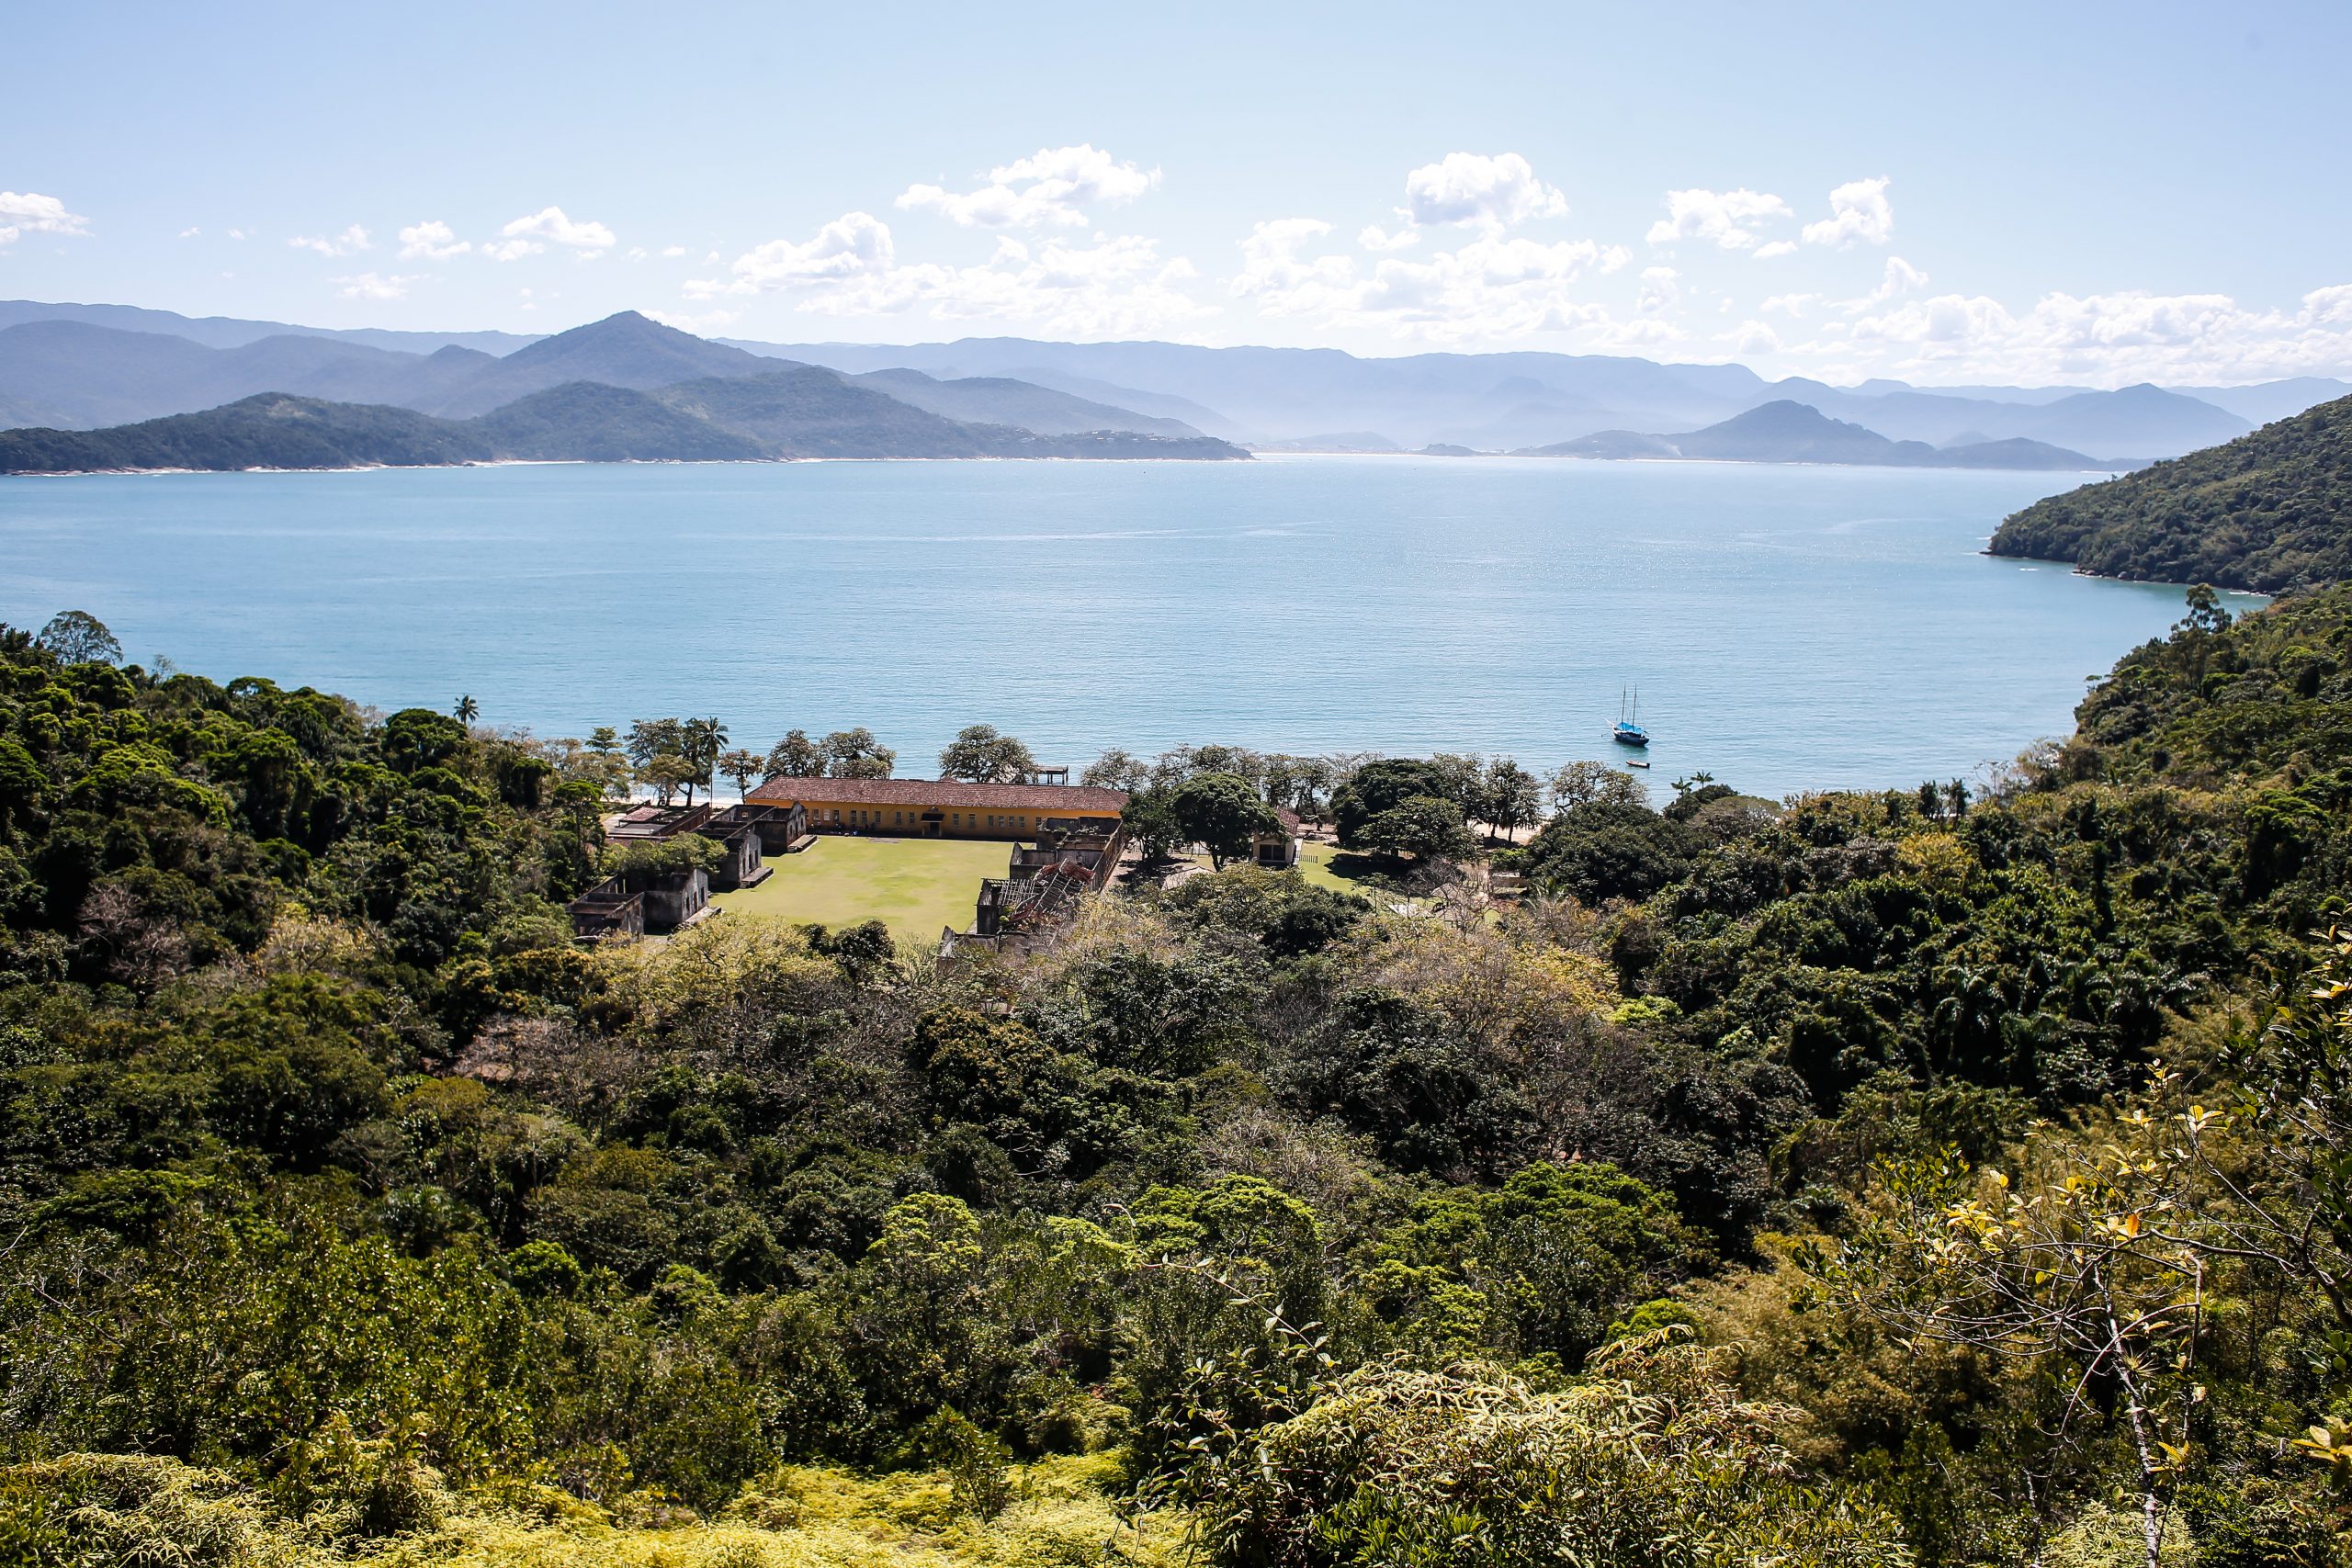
pixel 1328 866
pixel 914 886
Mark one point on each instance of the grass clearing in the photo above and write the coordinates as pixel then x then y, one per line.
pixel 1328 866
pixel 913 885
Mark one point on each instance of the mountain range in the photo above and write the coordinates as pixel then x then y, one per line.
pixel 75 374
pixel 92 366
pixel 1289 398
pixel 625 389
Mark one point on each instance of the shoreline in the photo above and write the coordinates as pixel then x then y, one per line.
pixel 1249 455
pixel 579 463
pixel 1699 462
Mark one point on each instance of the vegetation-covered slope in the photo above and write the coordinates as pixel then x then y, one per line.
pixel 2266 512
pixel 585 421
pixel 269 430
pixel 351 1204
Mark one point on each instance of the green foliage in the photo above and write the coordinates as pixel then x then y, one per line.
pixel 855 754
pixel 2265 511
pixel 77 636
pixel 1609 849
pixel 1423 826
pixel 1288 915
pixel 1222 813
pixel 1540 1266
pixel 1382 786
pixel 642 860
pixel 344 1187
pixel 983 756
pixel 1659 1463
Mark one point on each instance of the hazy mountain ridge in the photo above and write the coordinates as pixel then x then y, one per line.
pixel 128 365
pixel 1278 398
pixel 798 412
pixel 624 350
pixel 74 375
pixel 2269 512
pixel 997 400
pixel 1790 432
pixel 234 331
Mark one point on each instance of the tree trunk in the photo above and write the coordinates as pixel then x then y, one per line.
pixel 2152 1512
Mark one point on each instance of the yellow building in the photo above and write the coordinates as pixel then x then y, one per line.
pixel 941 808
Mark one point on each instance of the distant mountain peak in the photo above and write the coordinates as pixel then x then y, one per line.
pixel 1785 416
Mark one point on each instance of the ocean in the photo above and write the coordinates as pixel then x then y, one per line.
pixel 1787 627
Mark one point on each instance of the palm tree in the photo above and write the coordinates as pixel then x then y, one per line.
pixel 467 710
pixel 1970 1013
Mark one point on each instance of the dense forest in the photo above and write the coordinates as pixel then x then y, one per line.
pixel 2266 513
pixel 1944 1176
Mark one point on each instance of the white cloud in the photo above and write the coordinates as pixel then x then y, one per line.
pixel 1727 219
pixel 511 249
pixel 1375 238
pixel 351 241
pixel 431 240
pixel 1793 304
pixel 851 245
pixel 1659 290
pixel 552 225
pixel 191 232
pixel 27 213
pixel 1775 250
pixel 1284 283
pixel 236 233
pixel 1056 186
pixel 371 286
pixel 674 251
pixel 1901 278
pixel 2102 339
pixel 1857 210
pixel 1117 287
pixel 1491 287
pixel 1756 337
pixel 688 321
pixel 1474 189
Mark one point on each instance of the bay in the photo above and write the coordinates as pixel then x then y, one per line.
pixel 1788 628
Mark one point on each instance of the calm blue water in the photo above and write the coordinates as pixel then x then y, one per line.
pixel 1788 626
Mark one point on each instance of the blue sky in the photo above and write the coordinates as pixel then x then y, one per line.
pixel 2093 193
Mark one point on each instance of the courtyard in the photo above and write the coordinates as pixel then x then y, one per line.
pixel 916 886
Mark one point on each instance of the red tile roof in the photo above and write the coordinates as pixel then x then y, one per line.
pixel 945 793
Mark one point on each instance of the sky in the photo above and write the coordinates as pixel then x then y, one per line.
pixel 2086 193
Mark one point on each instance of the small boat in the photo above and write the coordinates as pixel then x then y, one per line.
pixel 1629 731
pixel 1636 762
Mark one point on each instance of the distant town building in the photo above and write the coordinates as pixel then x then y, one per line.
pixel 1278 849
pixel 941 808
pixel 624 906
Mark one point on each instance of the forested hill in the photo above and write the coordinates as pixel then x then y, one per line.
pixel 1789 1180
pixel 794 412
pixel 2268 511
pixel 269 430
